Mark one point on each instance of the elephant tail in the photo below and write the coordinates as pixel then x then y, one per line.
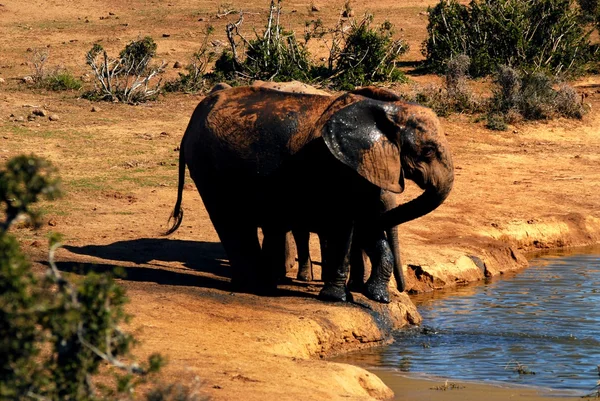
pixel 177 214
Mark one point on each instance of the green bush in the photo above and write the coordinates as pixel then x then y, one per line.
pixel 366 55
pixel 129 78
pixel 136 55
pixel 56 334
pixel 62 80
pixel 529 35
pixel 273 55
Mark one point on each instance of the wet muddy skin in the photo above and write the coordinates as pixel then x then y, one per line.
pixel 538 327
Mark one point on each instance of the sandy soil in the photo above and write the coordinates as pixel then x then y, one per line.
pixel 534 186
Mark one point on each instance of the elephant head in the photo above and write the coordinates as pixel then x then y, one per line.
pixel 386 140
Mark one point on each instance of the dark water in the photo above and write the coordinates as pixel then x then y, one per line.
pixel 545 320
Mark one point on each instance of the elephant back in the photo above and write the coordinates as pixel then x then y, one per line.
pixel 259 128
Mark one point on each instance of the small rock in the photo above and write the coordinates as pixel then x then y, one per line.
pixel 166 35
pixel 20 119
pixel 95 109
pixel 177 64
pixel 315 8
pixel 31 117
pixel 39 112
pixel 111 13
pixel 164 134
pixel 27 79
pixel 54 117
pixel 52 222
pixel 36 244
pixel 29 50
pixel 2 80
pixel 200 19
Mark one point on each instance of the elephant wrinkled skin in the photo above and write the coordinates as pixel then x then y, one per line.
pixel 249 149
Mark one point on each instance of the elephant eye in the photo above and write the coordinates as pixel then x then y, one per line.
pixel 428 152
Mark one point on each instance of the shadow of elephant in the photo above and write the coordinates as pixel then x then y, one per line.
pixel 205 263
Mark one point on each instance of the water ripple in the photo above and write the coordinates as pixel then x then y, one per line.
pixel 544 319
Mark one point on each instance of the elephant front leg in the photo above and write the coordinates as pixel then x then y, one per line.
pixel 336 266
pixel 382 261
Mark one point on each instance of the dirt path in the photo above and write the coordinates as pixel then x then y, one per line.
pixel 534 186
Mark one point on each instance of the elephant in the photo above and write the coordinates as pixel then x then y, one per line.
pixel 357 268
pixel 249 150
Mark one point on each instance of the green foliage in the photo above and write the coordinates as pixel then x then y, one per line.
pixel 130 78
pixel 590 10
pixel 62 80
pixel 529 35
pixel 137 54
pixel 365 55
pixel 359 54
pixel 25 180
pixel 274 55
pixel 55 334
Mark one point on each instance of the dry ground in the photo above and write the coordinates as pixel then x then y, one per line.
pixel 534 186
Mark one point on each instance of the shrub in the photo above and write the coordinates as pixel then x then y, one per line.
pixel 454 96
pixel 56 334
pixel 532 97
pixel 568 102
pixel 359 54
pixel 274 55
pixel 530 35
pixel 496 122
pixel 62 80
pixel 365 55
pixel 127 78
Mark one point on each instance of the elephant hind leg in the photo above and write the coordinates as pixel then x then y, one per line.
pixel 305 268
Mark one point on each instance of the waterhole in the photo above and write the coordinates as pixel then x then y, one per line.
pixel 539 327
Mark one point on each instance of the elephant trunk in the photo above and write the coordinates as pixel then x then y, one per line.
pixel 429 200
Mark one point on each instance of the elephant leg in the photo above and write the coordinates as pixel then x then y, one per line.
pixel 336 264
pixel 305 268
pixel 273 256
pixel 382 262
pixel 290 253
pixel 357 266
pixel 237 234
pixel 243 249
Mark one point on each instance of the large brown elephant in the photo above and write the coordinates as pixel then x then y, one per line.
pixel 249 149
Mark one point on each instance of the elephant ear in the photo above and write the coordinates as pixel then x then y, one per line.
pixel 359 134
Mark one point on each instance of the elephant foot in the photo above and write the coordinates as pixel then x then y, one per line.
pixel 332 293
pixel 305 273
pixel 377 291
